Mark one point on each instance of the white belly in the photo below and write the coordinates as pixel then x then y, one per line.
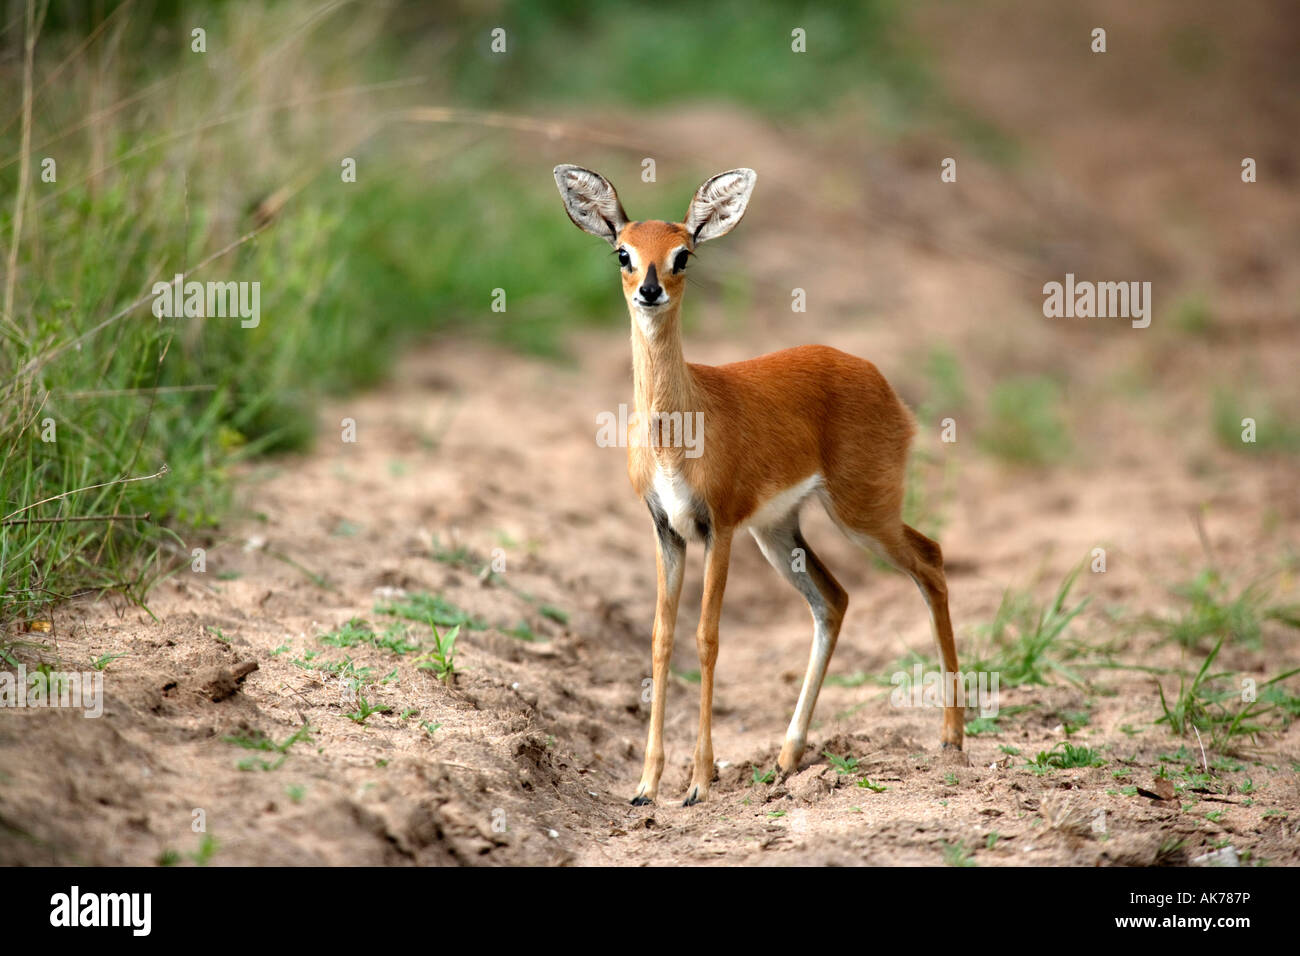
pixel 778 507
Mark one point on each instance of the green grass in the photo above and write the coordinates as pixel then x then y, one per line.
pixel 1065 756
pixel 1212 610
pixel 730 50
pixel 1214 703
pixel 946 394
pixel 1026 641
pixel 1276 432
pixel 396 638
pixel 350 274
pixel 982 725
pixel 431 609
pixel 1025 424
pixel 931 474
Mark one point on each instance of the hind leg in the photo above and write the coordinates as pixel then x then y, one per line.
pixel 922 559
pixel 786 550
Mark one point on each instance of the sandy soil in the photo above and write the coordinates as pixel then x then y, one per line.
pixel 471 452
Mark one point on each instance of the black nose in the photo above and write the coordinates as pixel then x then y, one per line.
pixel 650 289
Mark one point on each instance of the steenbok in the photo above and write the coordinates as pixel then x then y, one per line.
pixel 807 422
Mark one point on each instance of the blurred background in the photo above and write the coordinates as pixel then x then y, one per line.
pixel 1122 165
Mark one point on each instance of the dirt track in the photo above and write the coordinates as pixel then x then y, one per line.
pixel 540 741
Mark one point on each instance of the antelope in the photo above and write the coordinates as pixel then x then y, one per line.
pixel 806 422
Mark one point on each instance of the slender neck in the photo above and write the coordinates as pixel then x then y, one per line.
pixel 660 378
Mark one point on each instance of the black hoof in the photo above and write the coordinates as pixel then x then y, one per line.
pixel 641 801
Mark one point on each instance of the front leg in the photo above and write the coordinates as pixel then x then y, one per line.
pixel 717 559
pixel 670 562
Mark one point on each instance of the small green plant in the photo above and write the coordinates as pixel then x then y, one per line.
pixel 458 556
pixel 950 779
pixel 365 710
pixel 554 614
pixel 207 849
pixel 762 776
pixel 355 631
pixel 866 784
pixel 956 854
pixel 442 659
pixel 1072 721
pixel 843 765
pixel 1066 756
pixel 260 741
pixel 100 663
pixel 429 727
pixel 982 725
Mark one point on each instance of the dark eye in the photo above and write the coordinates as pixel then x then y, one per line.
pixel 679 261
pixel 624 260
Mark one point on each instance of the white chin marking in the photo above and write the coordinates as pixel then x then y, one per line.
pixel 648 316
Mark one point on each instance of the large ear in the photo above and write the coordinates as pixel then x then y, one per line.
pixel 591 202
pixel 719 203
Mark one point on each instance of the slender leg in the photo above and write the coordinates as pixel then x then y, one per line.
pixel 670 562
pixel 923 560
pixel 706 641
pixel 787 551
